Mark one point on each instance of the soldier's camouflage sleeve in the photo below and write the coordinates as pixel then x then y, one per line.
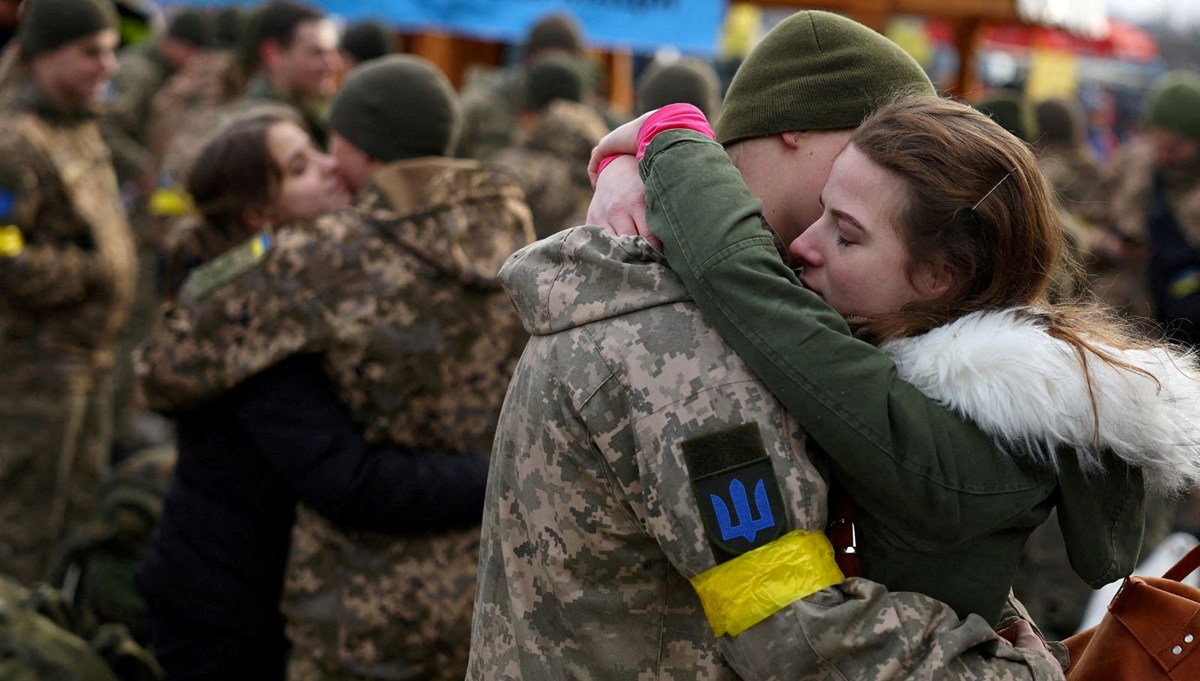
pixel 52 269
pixel 860 630
pixel 208 341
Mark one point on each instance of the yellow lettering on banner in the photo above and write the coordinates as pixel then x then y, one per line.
pixel 742 592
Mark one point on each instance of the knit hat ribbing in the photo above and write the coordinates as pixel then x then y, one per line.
pixel 815 71
pixel 49 24
pixel 397 107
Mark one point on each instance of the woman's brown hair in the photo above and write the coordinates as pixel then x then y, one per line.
pixel 233 175
pixel 979 210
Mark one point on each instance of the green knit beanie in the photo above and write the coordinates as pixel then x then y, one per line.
pixel 815 71
pixel 367 40
pixel 1174 104
pixel 49 24
pixel 688 81
pixel 554 32
pixel 194 28
pixel 553 78
pixel 397 107
pixel 1011 111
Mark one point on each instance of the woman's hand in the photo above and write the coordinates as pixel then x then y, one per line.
pixel 620 201
pixel 623 140
pixel 1021 635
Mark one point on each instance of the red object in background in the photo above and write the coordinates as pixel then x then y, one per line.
pixel 1123 42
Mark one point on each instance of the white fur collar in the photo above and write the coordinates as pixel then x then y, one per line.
pixel 1027 389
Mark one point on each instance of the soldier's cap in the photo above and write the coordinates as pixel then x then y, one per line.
pixel 558 31
pixel 367 40
pixel 1010 109
pixel 397 107
pixel 194 27
pixel 1057 121
pixel 47 25
pixel 688 81
pixel 551 79
pixel 1174 104
pixel 815 71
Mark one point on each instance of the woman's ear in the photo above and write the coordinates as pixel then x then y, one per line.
pixel 933 280
pixel 256 219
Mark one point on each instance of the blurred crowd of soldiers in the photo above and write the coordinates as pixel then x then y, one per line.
pixel 92 203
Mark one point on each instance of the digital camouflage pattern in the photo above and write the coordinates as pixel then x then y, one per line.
pixel 551 163
pixel 591 528
pixel 63 299
pixel 400 294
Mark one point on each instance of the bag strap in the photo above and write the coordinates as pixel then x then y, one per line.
pixel 1186 565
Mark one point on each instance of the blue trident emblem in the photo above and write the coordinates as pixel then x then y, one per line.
pixel 747 525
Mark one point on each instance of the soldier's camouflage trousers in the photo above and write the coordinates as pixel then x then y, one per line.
pixel 55 435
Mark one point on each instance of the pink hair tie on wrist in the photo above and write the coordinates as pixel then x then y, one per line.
pixel 605 161
pixel 672 117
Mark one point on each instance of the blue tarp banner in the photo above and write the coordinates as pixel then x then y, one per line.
pixel 642 25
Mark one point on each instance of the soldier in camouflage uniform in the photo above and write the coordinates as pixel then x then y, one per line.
pixel 601 548
pixel 551 158
pixel 401 298
pixel 67 272
pixel 144 69
pixel 1154 212
pixel 492 101
pixel 294 57
pixel 593 535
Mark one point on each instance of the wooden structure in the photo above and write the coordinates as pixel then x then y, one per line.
pixel 457 54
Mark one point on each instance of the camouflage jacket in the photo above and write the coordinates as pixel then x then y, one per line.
pixel 69 288
pixel 143 71
pixel 593 526
pixel 400 294
pixel 551 164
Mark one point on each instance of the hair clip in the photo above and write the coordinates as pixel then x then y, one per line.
pixel 994 188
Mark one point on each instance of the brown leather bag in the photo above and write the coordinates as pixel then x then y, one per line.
pixel 1150 632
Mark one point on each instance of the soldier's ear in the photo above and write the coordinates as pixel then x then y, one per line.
pixel 268 50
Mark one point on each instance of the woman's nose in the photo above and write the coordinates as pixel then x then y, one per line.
pixel 804 252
